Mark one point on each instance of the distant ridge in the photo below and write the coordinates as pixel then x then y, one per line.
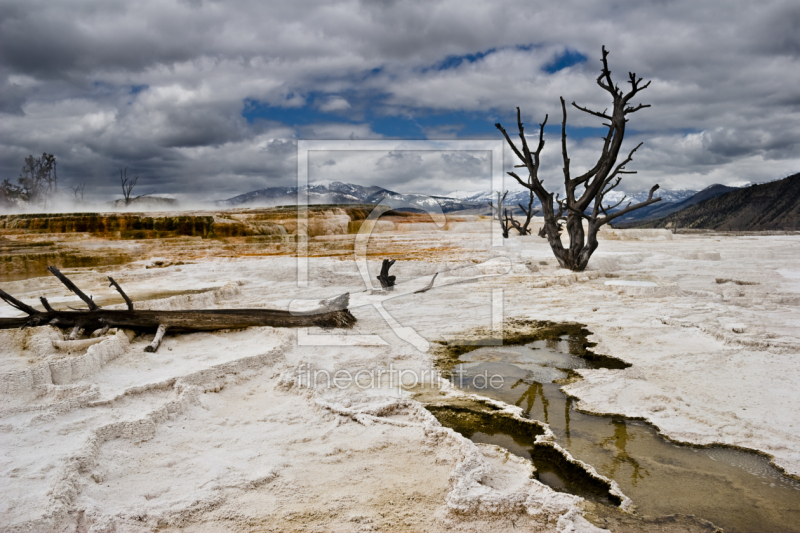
pixel 669 205
pixel 337 192
pixel 766 206
pixel 516 196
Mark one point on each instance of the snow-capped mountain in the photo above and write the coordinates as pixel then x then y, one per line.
pixel 337 192
pixel 666 195
pixel 517 196
pixel 514 197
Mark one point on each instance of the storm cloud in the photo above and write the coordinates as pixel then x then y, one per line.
pixel 205 99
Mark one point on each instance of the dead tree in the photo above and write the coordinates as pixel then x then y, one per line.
pixel 331 313
pixel 387 281
pixel 36 185
pixel 78 192
pixel 128 185
pixel 501 216
pixel 587 204
pixel 523 229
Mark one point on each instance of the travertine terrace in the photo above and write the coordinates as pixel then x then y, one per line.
pixel 218 431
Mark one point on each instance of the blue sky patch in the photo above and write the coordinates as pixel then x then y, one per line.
pixel 455 61
pixel 416 124
pixel 567 59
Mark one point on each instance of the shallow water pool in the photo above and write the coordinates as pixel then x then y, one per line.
pixel 736 490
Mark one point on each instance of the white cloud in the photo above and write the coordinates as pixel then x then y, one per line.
pixel 334 104
pixel 160 85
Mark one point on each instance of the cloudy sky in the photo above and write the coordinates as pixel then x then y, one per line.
pixel 206 99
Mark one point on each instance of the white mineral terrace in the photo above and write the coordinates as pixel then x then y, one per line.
pixel 218 432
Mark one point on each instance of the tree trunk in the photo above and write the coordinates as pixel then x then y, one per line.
pixel 190 320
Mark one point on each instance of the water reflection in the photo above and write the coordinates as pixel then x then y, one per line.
pixel 620 442
pixel 737 490
pixel 529 396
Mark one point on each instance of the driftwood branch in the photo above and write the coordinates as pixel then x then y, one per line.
pixel 13 302
pixel 387 281
pixel 429 286
pixel 121 292
pixel 77 331
pixel 153 346
pixel 71 286
pixel 100 332
pixel 45 303
pixel 331 313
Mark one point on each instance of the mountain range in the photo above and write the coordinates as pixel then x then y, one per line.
pixel 521 196
pixel 766 206
pixel 669 204
pixel 337 192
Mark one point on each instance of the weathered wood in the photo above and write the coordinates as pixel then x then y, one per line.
pixel 15 322
pixel 330 313
pixel 76 332
pixel 13 302
pixel 45 303
pixel 128 301
pixel 429 286
pixel 153 346
pixel 387 281
pixel 100 332
pixel 71 286
pixel 188 320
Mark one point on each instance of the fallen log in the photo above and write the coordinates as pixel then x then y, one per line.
pixel 331 313
pixel 182 321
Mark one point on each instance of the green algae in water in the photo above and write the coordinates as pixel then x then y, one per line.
pixel 482 425
pixel 736 490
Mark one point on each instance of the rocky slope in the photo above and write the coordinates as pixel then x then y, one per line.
pixel 766 206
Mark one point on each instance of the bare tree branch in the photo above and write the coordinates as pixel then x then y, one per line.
pixel 78 191
pixel 516 177
pixel 621 166
pixel 595 113
pixel 564 146
pixel 71 286
pixel 45 304
pixel 497 212
pixel 650 200
pixel 635 109
pixel 128 301
pixel 13 302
